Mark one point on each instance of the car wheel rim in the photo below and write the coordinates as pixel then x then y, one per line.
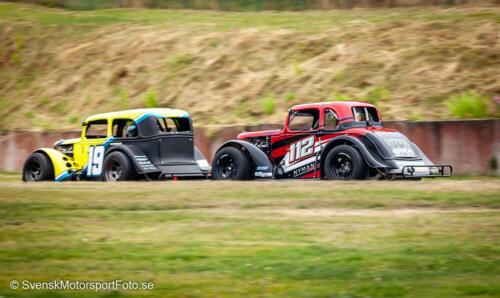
pixel 35 172
pixel 227 167
pixel 114 171
pixel 342 165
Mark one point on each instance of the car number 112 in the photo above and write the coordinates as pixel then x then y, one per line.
pixel 301 149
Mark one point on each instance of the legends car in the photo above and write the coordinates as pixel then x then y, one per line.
pixel 329 140
pixel 125 145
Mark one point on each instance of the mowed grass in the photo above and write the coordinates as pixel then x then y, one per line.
pixel 435 238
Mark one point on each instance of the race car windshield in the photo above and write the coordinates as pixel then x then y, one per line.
pixel 362 114
pixel 304 120
pixel 96 129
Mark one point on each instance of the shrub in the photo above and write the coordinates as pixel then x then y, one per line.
pixel 468 104
pixel 3 104
pixel 121 97
pixel 151 100
pixel 289 97
pixel 493 164
pixel 377 94
pixel 178 61
pixel 60 107
pixel 44 101
pixel 338 96
pixel 268 105
pixel 297 69
pixel 73 119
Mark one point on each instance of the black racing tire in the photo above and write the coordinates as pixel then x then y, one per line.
pixel 38 167
pixel 344 162
pixel 117 167
pixel 231 164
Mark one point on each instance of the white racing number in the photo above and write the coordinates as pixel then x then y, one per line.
pixel 96 158
pixel 301 149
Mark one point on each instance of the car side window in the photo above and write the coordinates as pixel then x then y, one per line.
pixel 359 114
pixel 166 125
pixel 162 125
pixel 97 129
pixel 171 126
pixel 124 128
pixel 372 114
pixel 362 114
pixel 174 125
pixel 304 120
pixel 331 120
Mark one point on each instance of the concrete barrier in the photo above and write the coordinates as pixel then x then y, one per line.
pixel 471 146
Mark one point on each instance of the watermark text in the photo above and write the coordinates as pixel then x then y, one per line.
pixel 78 285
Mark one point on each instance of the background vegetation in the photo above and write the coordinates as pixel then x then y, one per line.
pixel 245 5
pixel 245 67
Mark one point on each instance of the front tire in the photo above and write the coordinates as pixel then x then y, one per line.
pixel 38 167
pixel 344 162
pixel 117 167
pixel 231 164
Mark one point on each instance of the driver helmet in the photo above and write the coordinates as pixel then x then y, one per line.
pixel 131 130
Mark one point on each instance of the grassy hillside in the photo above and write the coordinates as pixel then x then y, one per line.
pixel 226 67
pixel 254 239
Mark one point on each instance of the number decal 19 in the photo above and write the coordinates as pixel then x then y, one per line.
pixel 96 158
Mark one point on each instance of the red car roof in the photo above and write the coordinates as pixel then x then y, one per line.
pixel 343 108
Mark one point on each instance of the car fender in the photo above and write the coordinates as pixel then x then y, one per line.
pixel 263 166
pixel 368 156
pixel 63 164
pixel 201 160
pixel 422 155
pixel 139 159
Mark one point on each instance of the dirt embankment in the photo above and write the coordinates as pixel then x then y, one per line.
pixel 53 77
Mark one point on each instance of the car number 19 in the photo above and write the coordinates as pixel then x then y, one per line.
pixel 96 158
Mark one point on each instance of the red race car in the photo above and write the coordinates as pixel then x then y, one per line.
pixel 329 140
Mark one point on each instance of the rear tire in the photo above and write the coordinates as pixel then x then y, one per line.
pixel 344 162
pixel 38 167
pixel 231 164
pixel 117 167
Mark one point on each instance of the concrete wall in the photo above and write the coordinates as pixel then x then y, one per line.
pixel 468 145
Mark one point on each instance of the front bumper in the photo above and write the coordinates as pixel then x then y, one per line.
pixel 429 171
pixel 419 169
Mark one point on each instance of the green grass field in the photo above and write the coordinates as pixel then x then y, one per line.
pixel 435 238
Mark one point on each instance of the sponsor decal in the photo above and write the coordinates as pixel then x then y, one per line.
pixel 145 163
pixel 203 164
pixel 301 157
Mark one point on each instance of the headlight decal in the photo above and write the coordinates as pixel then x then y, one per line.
pixel 400 147
pixel 66 149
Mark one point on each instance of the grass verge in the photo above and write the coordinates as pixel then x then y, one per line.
pixel 436 238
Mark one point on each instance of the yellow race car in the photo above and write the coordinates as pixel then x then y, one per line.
pixel 124 145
